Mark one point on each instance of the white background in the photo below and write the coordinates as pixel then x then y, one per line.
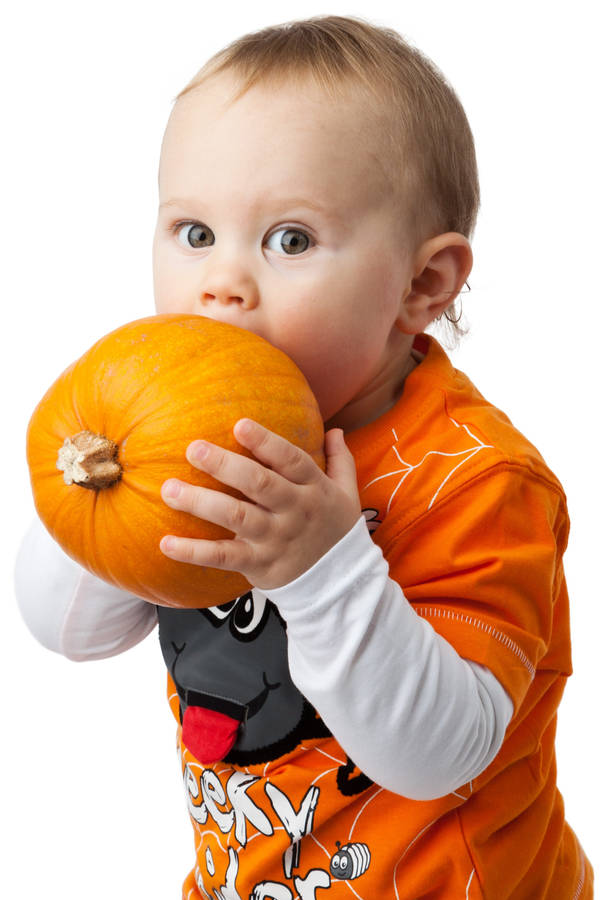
pixel 91 799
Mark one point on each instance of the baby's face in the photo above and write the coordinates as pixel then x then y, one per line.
pixel 276 216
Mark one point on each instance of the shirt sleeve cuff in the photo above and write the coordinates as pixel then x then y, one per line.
pixel 349 562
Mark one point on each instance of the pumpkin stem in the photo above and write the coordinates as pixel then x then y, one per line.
pixel 89 460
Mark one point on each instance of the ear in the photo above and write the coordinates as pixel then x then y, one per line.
pixel 441 267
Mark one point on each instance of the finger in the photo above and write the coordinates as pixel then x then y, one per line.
pixel 341 467
pixel 276 452
pixel 232 556
pixel 245 519
pixel 258 483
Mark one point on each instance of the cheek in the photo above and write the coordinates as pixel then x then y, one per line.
pixel 164 303
pixel 171 294
pixel 324 331
pixel 160 278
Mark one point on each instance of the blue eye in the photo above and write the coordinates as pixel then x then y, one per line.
pixel 194 235
pixel 292 241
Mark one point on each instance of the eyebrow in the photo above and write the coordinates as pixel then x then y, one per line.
pixel 288 203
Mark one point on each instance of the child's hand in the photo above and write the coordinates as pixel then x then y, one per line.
pixel 294 513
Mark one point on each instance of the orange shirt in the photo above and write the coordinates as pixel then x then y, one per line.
pixel 473 526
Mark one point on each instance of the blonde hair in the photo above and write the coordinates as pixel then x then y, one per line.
pixel 427 145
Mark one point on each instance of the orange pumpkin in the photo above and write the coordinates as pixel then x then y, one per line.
pixel 116 424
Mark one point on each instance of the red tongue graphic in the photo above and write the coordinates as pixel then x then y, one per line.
pixel 208 734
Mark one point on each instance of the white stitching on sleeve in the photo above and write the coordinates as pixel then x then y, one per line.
pixel 509 643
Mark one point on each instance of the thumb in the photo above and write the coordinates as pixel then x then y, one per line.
pixel 340 466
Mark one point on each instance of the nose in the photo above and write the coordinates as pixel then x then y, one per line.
pixel 229 284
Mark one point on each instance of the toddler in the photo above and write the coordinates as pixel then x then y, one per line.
pixel 376 717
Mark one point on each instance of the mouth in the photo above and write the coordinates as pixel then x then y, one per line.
pixel 210 724
pixel 233 708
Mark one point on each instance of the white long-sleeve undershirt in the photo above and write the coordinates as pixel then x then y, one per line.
pixel 412 715
pixel 408 710
pixel 71 611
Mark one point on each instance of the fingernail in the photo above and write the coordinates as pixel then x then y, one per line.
pixel 197 451
pixel 243 426
pixel 171 489
pixel 167 544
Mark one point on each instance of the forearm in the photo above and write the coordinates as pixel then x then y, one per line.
pixel 413 715
pixel 71 611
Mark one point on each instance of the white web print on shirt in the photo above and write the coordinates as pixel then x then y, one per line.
pixel 226 809
pixel 408 468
